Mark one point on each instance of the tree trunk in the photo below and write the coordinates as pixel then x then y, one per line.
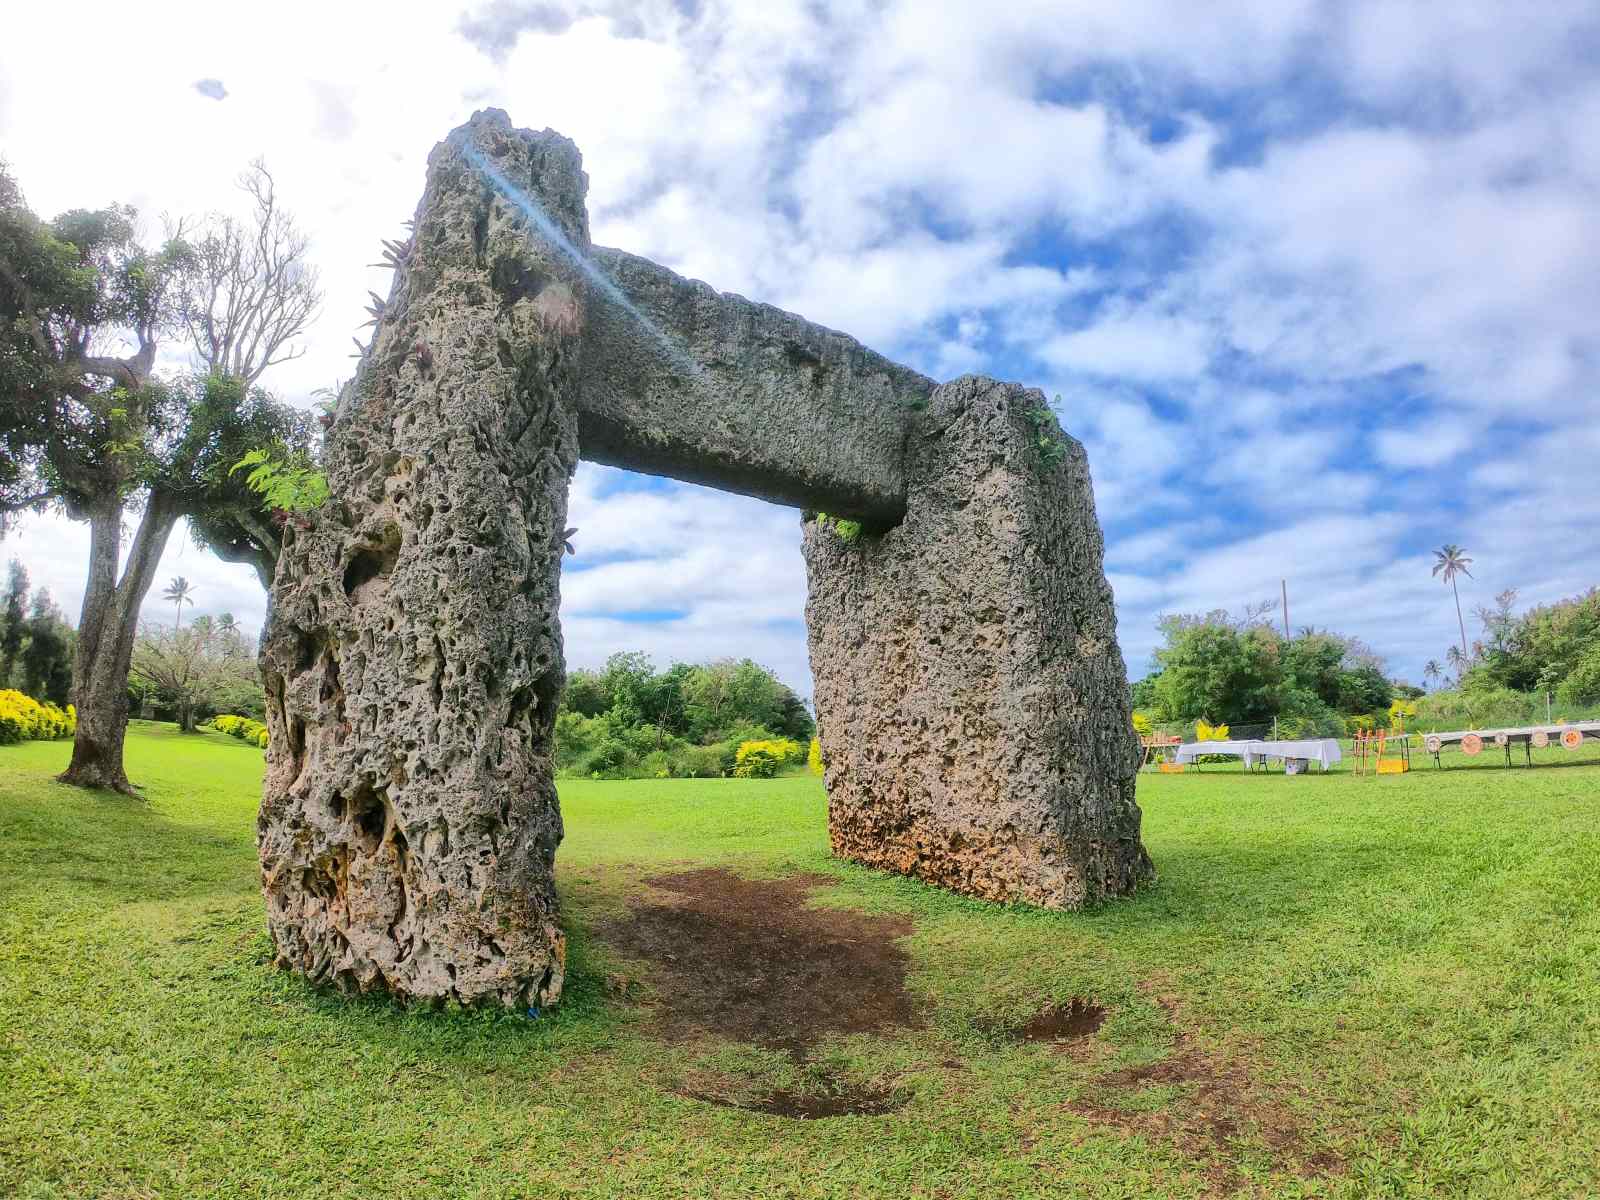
pixel 105 638
pixel 1455 592
pixel 186 715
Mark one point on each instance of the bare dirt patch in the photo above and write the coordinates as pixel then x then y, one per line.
pixel 748 960
pixel 1220 1108
pixel 1058 1024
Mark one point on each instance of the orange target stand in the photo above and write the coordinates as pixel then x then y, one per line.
pixel 1374 756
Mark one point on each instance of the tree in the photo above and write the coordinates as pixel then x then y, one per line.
pixel 13 620
pixel 180 592
pixel 47 660
pixel 198 666
pixel 586 694
pixel 1242 671
pixel 1212 669
pixel 247 289
pixel 1144 691
pixel 1451 560
pixel 1431 671
pixel 100 436
pixel 1364 689
pixel 80 428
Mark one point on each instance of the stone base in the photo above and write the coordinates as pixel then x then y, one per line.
pixel 973 703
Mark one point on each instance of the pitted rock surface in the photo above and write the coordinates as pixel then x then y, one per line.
pixel 972 701
pixel 413 661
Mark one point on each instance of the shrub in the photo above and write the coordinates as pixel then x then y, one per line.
pixel 1359 723
pixel 814 757
pixel 1142 725
pixel 702 762
pixel 243 728
pixel 1487 708
pixel 607 759
pixel 1401 711
pixel 24 719
pixel 761 759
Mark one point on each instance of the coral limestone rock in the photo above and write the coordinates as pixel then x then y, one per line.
pixel 972 700
pixel 413 661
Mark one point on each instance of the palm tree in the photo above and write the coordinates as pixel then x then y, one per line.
pixel 1458 660
pixel 1430 670
pixel 180 592
pixel 1451 560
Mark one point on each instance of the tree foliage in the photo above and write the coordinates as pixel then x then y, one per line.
pixel 1213 667
pixel 13 619
pixel 35 641
pixel 96 433
pixel 47 656
pixel 631 719
pixel 1549 649
pixel 204 668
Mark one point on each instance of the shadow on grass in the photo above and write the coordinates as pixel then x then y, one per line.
pixel 107 848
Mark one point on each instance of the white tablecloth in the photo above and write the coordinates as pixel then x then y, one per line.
pixel 1322 750
pixel 1190 751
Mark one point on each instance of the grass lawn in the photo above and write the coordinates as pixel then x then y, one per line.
pixel 1338 987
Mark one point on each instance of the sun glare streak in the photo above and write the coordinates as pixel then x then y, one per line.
pixel 553 234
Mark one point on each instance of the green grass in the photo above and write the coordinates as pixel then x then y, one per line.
pixel 1407 970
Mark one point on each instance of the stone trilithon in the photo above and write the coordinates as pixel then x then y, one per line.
pixel 972 701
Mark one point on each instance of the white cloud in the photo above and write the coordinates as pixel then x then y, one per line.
pixel 1141 346
pixel 1362 244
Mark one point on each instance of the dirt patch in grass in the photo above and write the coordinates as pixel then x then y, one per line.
pixel 1220 1109
pixel 747 960
pixel 1058 1024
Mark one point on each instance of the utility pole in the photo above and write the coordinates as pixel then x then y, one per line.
pixel 1285 584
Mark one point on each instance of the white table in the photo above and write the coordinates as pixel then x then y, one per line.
pixel 1321 750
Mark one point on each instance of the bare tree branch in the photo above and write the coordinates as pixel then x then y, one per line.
pixel 250 290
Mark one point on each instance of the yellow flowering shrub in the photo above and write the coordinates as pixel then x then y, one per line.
pixel 1205 731
pixel 24 719
pixel 1141 725
pixel 1400 711
pixel 242 728
pixel 814 756
pixel 761 759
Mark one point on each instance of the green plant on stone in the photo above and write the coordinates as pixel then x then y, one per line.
pixel 1046 435
pixel 848 532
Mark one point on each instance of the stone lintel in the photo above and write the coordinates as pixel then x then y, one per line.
pixel 711 388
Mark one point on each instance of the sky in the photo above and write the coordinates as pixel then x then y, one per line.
pixel 1316 284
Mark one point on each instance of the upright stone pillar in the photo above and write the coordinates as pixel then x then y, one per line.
pixel 973 703
pixel 413 661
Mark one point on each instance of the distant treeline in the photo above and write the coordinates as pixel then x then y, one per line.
pixel 630 720
pixel 1552 649
pixel 1216 668
pixel 36 643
